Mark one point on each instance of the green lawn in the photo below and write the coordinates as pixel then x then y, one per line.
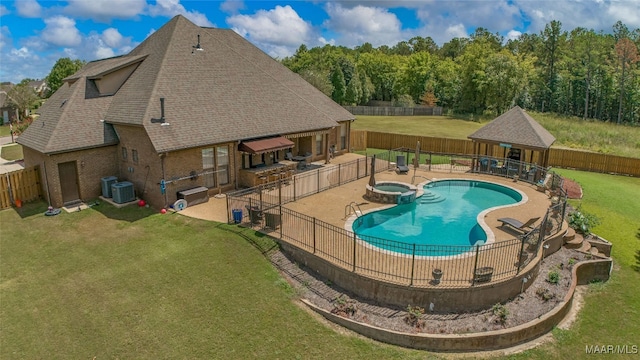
pixel 436 126
pixel 570 132
pixel 132 284
pixel 5 130
pixel 11 152
pixel 611 313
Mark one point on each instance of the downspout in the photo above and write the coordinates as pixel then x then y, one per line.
pixel 46 181
pixel 236 170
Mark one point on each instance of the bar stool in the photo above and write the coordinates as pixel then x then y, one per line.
pixel 263 178
pixel 274 175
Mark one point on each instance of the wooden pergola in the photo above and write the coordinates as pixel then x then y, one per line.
pixel 514 134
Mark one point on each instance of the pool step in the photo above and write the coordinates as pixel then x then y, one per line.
pixel 431 198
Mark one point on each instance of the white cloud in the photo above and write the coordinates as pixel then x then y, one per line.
pixel 28 8
pixel 513 35
pixel 597 15
pixel 61 31
pixel 324 41
pixel 170 8
pixel 457 30
pixel 105 10
pixel 361 24
pixel 112 37
pixel 102 52
pixel 4 11
pixel 18 64
pixel 5 36
pixel 281 26
pixel 22 53
pixel 232 6
pixel 626 11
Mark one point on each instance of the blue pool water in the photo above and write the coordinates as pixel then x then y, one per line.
pixel 445 215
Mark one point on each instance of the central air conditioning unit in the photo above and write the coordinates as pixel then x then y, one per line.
pixel 106 185
pixel 123 192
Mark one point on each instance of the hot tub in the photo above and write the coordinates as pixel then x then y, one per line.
pixel 391 192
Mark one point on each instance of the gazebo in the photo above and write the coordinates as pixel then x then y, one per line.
pixel 514 135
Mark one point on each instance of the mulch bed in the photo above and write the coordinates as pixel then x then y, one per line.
pixel 573 189
pixel 540 298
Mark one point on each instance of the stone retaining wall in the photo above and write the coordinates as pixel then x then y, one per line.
pixel 582 273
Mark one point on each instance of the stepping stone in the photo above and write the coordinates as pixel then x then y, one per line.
pixel 570 235
pixel 575 243
pixel 586 246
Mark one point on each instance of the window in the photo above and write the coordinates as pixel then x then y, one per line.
pixel 208 166
pixel 343 136
pixel 215 166
pixel 124 154
pixel 134 155
pixel 319 144
pixel 222 158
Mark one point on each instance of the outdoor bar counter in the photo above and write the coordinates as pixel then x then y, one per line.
pixel 266 174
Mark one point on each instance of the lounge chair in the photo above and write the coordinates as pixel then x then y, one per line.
pixel 288 156
pixel 401 165
pixel 517 224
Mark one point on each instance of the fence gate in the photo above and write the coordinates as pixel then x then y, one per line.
pixel 22 185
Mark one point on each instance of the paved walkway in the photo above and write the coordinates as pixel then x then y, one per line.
pixel 7 166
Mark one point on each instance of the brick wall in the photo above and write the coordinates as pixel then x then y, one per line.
pixel 145 172
pixel 91 165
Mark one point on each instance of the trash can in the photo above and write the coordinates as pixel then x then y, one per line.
pixel 237 215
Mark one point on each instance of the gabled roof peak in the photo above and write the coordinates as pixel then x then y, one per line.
pixel 515 127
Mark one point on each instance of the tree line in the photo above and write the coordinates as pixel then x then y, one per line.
pixel 579 73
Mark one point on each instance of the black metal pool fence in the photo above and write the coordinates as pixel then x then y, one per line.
pixel 387 260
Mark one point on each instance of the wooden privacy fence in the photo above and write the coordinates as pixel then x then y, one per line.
pixel 19 186
pixel 561 158
pixel 394 110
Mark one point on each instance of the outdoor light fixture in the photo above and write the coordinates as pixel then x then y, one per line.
pixel 197 47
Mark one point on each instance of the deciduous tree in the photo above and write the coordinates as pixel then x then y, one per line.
pixel 23 97
pixel 627 55
pixel 63 68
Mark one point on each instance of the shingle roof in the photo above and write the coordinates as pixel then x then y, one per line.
pixel 515 127
pixel 70 121
pixel 230 91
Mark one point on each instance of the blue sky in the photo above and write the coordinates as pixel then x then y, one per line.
pixel 35 33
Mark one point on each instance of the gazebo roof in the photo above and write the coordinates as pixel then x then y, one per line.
pixel 515 127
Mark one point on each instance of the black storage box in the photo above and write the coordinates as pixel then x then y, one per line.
pixel 194 196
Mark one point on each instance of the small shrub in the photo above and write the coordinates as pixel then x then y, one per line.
pixel 553 277
pixel 501 312
pixel 572 261
pixel 284 285
pixel 404 100
pixel 344 307
pixel 414 316
pixel 545 294
pixel 21 126
pixel 582 222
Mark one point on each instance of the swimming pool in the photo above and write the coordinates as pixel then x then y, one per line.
pixel 448 217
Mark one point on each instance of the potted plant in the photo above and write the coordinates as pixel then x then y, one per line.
pixel 437 275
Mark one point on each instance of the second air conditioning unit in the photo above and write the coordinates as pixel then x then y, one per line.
pixel 123 192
